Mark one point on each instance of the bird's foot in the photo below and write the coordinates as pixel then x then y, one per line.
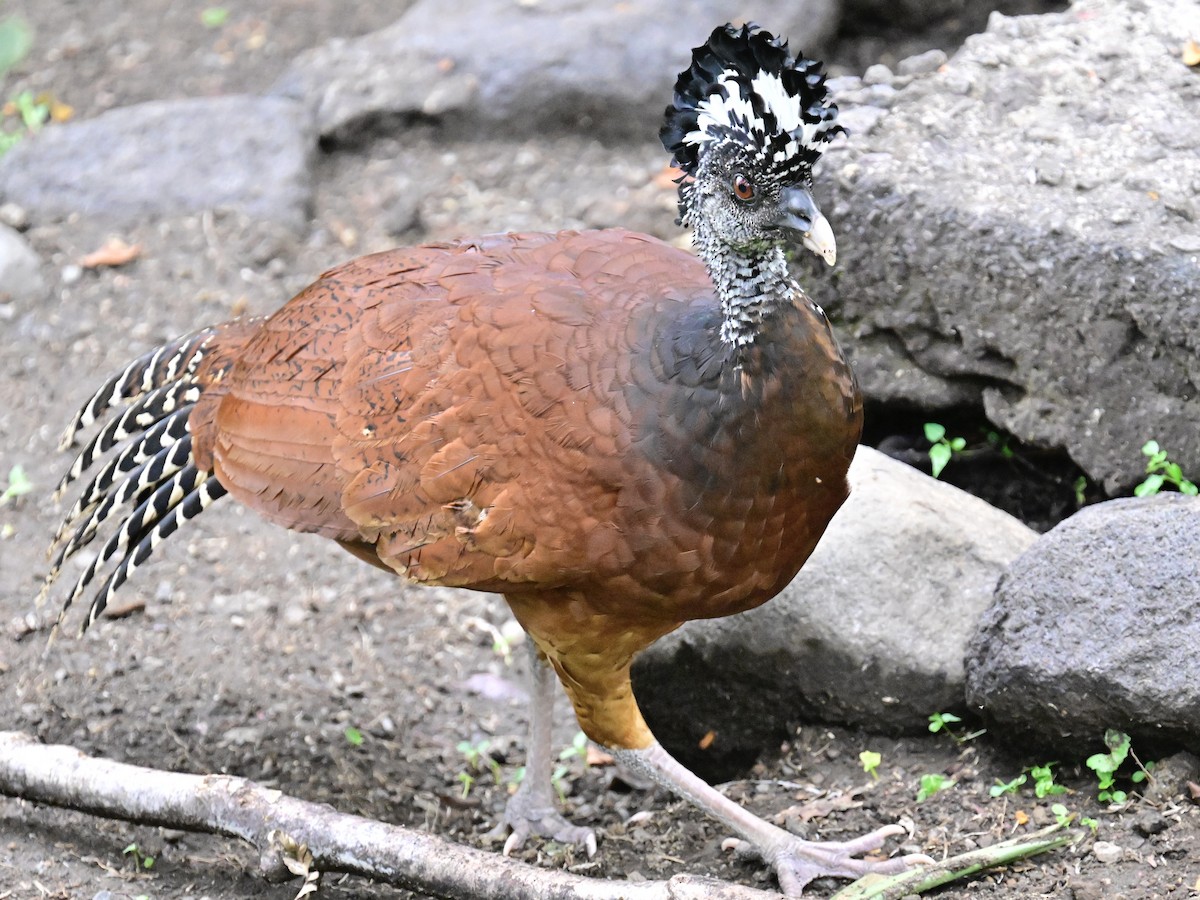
pixel 527 816
pixel 797 862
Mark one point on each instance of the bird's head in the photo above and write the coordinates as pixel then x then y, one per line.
pixel 746 127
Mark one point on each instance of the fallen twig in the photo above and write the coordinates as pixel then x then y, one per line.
pixel 283 828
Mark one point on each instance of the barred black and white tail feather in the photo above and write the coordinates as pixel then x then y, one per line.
pixel 152 469
pixel 173 362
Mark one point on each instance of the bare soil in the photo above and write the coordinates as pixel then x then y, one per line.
pixel 250 651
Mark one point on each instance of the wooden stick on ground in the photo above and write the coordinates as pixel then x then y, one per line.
pixel 274 823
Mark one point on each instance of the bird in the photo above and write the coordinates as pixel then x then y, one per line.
pixel 614 433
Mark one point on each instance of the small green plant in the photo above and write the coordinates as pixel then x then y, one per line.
pixel 870 762
pixel 214 16
pixel 942 447
pixel 1000 788
pixel 1080 490
pixel 1061 815
pixel 931 784
pixel 1160 471
pixel 1043 781
pixel 478 757
pixel 15 40
pixel 999 443
pixel 354 737
pixel 1106 765
pixel 468 781
pixel 33 113
pixel 143 860
pixel 1089 822
pixel 18 485
pixel 941 721
pixel 577 749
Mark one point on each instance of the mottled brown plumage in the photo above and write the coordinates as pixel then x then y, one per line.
pixel 615 435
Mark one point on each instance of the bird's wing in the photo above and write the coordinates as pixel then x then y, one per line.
pixel 450 405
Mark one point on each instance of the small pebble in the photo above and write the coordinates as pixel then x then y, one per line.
pixel 71 274
pixel 929 61
pixel 877 74
pixel 14 216
pixel 1106 851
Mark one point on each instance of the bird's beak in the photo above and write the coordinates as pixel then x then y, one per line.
pixel 798 213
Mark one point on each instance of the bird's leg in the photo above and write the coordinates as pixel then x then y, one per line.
pixel 796 861
pixel 532 809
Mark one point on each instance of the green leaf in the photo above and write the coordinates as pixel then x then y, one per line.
pixel 932 784
pixel 214 16
pixel 921 879
pixel 353 736
pixel 939 455
pixel 958 444
pixel 934 432
pixel 18 485
pixel 1150 448
pixel 870 762
pixel 1186 487
pixel 1149 487
pixel 15 40
pixel 1000 787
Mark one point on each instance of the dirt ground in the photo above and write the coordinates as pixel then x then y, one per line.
pixel 250 651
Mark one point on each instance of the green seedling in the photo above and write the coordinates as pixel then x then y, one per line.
pixel 1080 490
pixel 933 783
pixel 577 749
pixel 942 447
pixel 870 762
pixel 1106 765
pixel 1161 471
pixel 354 737
pixel 1000 443
pixel 468 781
pixel 18 485
pixel 1061 815
pixel 143 860
pixel 478 757
pixel 214 16
pixel 1043 781
pixel 941 721
pixel 15 40
pixel 1000 788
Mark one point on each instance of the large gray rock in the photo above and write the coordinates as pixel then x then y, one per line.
pixel 1020 232
pixel 515 66
pixel 168 158
pixel 20 268
pixel 872 631
pixel 1096 626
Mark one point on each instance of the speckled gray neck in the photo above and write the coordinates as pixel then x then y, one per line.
pixel 750 284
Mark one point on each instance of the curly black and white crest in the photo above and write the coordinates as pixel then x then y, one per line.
pixel 744 86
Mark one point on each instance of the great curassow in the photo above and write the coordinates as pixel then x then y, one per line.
pixel 615 435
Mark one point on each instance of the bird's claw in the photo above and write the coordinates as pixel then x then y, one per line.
pixel 798 861
pixel 528 820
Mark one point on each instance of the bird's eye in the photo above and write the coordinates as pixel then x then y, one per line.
pixel 743 188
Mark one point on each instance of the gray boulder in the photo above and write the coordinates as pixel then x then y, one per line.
pixel 872 631
pixel 20 268
pixel 1020 232
pixel 1096 627
pixel 553 64
pixel 167 158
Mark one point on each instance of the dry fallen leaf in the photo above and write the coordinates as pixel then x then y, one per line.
pixel 707 740
pixel 115 252
pixel 1191 54
pixel 819 808
pixel 1021 816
